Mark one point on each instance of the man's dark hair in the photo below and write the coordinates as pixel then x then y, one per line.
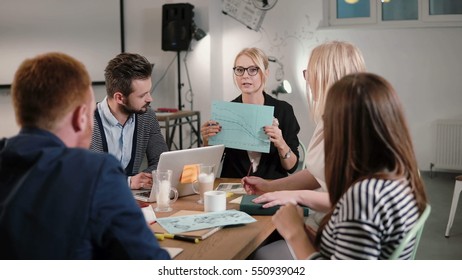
pixel 122 70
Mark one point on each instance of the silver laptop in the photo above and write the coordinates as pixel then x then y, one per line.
pixel 176 160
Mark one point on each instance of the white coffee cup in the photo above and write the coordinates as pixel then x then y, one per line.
pixel 214 201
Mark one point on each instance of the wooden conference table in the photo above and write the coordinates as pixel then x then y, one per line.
pixel 228 243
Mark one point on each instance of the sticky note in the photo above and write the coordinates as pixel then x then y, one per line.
pixel 189 174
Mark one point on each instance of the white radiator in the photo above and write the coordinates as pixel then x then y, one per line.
pixel 448 145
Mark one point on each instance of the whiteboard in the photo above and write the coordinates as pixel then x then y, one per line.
pixel 88 30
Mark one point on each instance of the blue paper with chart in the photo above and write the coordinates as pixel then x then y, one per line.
pixel 242 125
pixel 186 223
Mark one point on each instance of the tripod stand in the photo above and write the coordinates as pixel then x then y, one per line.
pixel 180 85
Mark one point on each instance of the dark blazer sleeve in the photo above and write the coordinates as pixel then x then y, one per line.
pixel 155 141
pixel 98 139
pixel 156 144
pixel 289 126
pixel 150 142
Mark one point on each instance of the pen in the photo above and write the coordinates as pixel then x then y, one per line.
pixel 159 236
pixel 182 238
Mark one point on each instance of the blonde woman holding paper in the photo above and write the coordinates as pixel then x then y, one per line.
pixel 250 73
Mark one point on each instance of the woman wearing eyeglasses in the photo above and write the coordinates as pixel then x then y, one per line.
pixel 250 75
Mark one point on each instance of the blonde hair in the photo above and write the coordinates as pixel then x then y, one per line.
pixel 261 61
pixel 47 87
pixel 328 63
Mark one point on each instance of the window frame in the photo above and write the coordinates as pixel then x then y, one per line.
pixel 424 18
pixel 333 20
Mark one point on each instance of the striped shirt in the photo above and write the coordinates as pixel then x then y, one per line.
pixel 369 221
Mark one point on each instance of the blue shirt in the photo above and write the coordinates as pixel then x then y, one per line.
pixel 119 136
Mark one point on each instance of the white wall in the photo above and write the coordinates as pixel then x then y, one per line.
pixel 425 67
pixel 8 126
pixel 50 25
pixel 424 64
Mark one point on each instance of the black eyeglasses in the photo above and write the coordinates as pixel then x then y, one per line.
pixel 252 70
pixel 304 74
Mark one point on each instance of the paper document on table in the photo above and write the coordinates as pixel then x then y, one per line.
pixel 235 188
pixel 201 234
pixel 149 214
pixel 173 251
pixel 179 224
pixel 242 125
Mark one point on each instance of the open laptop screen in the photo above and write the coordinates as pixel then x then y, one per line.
pixel 176 160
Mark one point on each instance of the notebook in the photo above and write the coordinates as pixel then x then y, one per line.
pixel 252 208
pixel 176 160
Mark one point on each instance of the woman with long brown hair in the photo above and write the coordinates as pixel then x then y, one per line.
pixel 371 174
